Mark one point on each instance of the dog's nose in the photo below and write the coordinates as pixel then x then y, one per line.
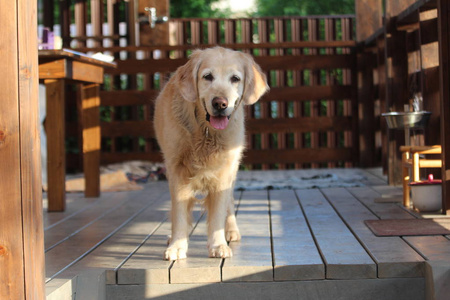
pixel 220 103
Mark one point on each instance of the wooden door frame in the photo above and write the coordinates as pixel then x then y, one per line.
pixel 21 238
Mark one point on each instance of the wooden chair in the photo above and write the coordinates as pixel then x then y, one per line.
pixel 412 162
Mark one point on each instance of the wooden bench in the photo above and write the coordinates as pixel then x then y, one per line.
pixel 412 162
pixel 56 69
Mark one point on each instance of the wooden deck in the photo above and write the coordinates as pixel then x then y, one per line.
pixel 308 244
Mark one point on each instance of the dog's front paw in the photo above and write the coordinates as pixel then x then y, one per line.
pixel 221 251
pixel 174 253
pixel 233 235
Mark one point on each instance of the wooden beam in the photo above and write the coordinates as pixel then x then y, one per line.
pixel 312 62
pixel 366 114
pixel 444 77
pixel 21 238
pixel 368 18
pixel 396 59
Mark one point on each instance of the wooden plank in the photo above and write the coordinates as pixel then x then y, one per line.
pixel 68 69
pixel 433 248
pixel 145 128
pixel 252 256
pixel 183 46
pixel 126 241
pixel 55 127
pixel 126 97
pixel 75 204
pixel 394 258
pixel 388 190
pixel 304 93
pixel 128 128
pixel 155 270
pixel 30 156
pixel 315 62
pixel 390 289
pixel 12 281
pixel 343 255
pixel 52 70
pixel 198 267
pixel 82 219
pixel 304 124
pixel 57 54
pixel 85 72
pixel 77 246
pixel 295 254
pixel 375 177
pixel 110 158
pixel 367 195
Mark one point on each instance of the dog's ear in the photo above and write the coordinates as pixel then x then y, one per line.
pixel 187 77
pixel 255 81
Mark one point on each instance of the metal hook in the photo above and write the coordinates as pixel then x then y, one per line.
pixel 153 19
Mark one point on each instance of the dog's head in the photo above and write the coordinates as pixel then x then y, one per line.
pixel 221 79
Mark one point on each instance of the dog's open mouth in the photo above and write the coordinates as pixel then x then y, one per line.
pixel 218 122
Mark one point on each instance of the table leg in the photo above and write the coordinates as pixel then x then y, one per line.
pixel 90 125
pixel 56 152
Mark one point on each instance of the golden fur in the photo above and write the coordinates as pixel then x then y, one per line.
pixel 202 156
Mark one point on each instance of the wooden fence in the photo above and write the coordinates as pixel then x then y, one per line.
pixel 401 61
pixel 308 119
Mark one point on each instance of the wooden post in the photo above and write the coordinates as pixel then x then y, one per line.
pixel 369 16
pixel 55 127
pixel 90 124
pixel 368 20
pixel 396 59
pixel 444 77
pixel 21 238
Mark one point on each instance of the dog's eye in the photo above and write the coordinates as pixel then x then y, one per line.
pixel 235 79
pixel 208 77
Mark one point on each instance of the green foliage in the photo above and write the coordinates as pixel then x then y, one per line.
pixel 304 7
pixel 194 9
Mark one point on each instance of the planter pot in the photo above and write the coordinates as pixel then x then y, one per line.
pixel 426 196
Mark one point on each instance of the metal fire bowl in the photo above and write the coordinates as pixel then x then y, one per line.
pixel 402 120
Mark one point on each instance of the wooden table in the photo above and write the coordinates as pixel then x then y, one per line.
pixel 56 69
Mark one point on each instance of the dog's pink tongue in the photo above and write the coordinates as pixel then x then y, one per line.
pixel 219 122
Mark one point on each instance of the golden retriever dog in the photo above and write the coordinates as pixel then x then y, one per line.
pixel 199 124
